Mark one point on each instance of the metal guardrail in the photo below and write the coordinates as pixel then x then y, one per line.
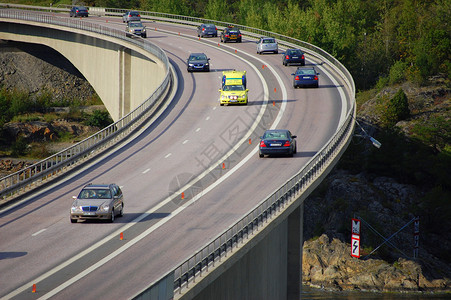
pixel 250 224
pixel 49 168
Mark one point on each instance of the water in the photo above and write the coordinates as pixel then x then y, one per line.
pixel 309 293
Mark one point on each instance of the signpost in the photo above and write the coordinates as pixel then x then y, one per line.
pixel 355 239
pixel 416 225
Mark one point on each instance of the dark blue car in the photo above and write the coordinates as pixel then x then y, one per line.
pixel 293 56
pixel 305 76
pixel 277 142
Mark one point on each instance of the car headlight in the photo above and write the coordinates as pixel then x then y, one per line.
pixel 207 64
pixel 144 30
pixel 76 209
pixel 190 65
pixel 104 207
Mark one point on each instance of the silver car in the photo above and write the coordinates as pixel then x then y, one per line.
pixel 267 44
pixel 135 28
pixel 131 16
pixel 98 201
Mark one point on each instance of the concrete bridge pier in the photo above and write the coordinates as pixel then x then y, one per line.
pixel 269 268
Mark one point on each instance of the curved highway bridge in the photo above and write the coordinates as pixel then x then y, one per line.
pixel 204 215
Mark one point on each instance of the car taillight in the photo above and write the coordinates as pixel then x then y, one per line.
pixel 287 144
pixel 296 78
pixel 316 77
pixel 139 15
pixel 287 57
pixel 302 56
pixel 226 35
pixel 239 35
pixel 203 29
pixel 262 144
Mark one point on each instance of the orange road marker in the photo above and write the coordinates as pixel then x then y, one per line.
pixel 183 195
pixel 223 165
pixel 275 90
pixel 34 288
pixel 121 236
pixel 250 141
pixel 274 103
pixel 263 66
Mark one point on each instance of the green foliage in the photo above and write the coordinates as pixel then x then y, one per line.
pixel 397 72
pixel 19 147
pixel 99 119
pixel 396 109
pixel 436 132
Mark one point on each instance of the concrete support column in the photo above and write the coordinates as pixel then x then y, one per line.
pixel 294 255
pixel 124 81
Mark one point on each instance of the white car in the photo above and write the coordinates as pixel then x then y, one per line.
pixel 267 44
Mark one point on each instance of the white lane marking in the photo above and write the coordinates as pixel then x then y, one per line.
pixel 184 142
pixel 145 171
pixel 207 118
pixel 38 232
pixel 198 129
pixel 342 95
pixel 214 107
pixel 167 155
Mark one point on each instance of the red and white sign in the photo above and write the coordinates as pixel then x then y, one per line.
pixel 355 240
pixel 355 246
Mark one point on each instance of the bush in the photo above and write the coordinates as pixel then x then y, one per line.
pixel 100 119
pixel 397 72
pixel 19 147
pixel 396 109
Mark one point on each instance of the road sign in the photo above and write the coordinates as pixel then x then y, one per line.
pixel 356 226
pixel 355 239
pixel 355 246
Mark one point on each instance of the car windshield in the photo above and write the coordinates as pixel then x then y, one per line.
pixel 268 41
pixel 234 88
pixel 95 194
pixel 135 25
pixel 134 14
pixel 198 57
pixel 294 52
pixel 210 26
pixel 233 32
pixel 275 135
pixel 306 72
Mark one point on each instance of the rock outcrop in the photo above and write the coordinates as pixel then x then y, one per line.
pixel 327 263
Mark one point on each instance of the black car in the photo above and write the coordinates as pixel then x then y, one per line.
pixel 207 30
pixel 78 11
pixel 198 62
pixel 230 34
pixel 277 142
pixel 305 76
pixel 293 56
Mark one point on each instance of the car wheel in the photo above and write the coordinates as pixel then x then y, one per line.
pixel 317 85
pixel 121 212
pixel 73 220
pixel 221 104
pixel 112 216
pixel 260 155
pixel 276 52
pixel 144 36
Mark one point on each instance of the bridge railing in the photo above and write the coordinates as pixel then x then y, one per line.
pixel 41 172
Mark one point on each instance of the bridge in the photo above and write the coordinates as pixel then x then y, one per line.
pixel 231 225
